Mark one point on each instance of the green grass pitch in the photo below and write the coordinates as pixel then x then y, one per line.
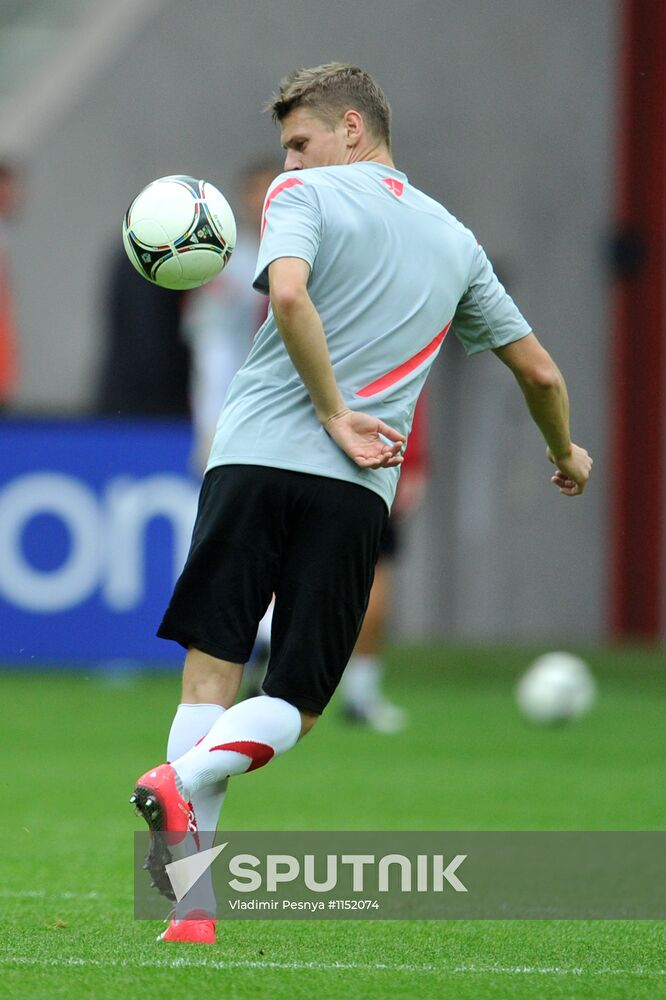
pixel 72 745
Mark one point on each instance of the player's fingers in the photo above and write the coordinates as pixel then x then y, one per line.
pixel 371 461
pixel 384 461
pixel 388 460
pixel 389 453
pixel 567 486
pixel 390 432
pixel 387 456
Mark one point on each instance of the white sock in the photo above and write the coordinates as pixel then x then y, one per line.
pixel 361 681
pixel 190 724
pixel 247 736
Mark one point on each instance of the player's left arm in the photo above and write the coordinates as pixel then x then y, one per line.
pixel 545 392
pixel 359 435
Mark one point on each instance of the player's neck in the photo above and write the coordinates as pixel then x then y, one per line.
pixel 372 154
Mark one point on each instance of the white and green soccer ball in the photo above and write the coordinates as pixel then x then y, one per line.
pixel 556 687
pixel 179 232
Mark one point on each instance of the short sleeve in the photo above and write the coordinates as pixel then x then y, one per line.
pixel 291 225
pixel 486 316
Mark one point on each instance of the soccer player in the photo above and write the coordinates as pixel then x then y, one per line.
pixel 366 275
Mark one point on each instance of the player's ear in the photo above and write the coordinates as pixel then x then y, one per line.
pixel 353 122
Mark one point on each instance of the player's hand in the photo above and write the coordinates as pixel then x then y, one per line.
pixel 360 437
pixel 573 471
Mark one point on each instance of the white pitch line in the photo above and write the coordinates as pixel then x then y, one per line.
pixel 552 970
pixel 43 894
pixel 187 963
pixel 190 963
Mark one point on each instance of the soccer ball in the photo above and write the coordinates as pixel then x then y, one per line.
pixel 179 232
pixel 556 687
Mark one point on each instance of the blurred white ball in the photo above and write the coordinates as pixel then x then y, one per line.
pixel 557 687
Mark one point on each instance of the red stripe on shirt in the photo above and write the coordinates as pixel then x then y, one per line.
pixel 405 368
pixel 290 182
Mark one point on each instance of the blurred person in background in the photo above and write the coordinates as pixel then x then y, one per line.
pixel 145 370
pixel 361 686
pixel 11 181
pixel 221 318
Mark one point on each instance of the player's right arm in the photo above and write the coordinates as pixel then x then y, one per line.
pixel 545 392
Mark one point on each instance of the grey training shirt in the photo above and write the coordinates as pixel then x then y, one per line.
pixel 390 272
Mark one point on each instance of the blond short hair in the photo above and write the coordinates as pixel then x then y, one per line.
pixel 331 89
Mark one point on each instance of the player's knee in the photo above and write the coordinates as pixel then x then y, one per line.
pixel 208 679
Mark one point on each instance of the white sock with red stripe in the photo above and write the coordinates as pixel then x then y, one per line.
pixel 246 737
pixel 191 723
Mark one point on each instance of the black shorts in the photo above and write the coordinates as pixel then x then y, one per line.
pixel 310 540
